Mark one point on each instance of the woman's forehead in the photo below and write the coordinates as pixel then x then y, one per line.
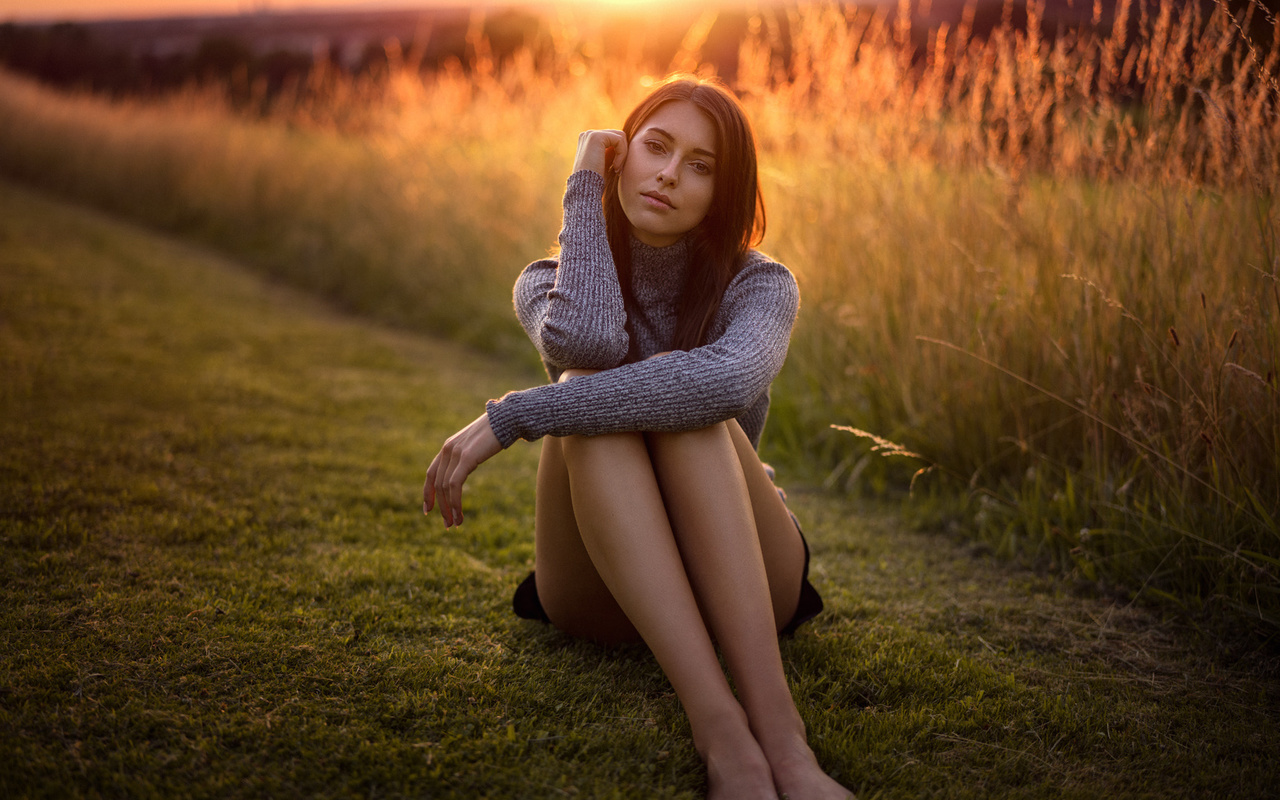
pixel 685 123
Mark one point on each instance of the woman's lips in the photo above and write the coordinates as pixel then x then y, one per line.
pixel 658 200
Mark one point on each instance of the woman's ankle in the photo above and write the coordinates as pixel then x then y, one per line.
pixel 781 731
pixel 736 765
pixel 709 733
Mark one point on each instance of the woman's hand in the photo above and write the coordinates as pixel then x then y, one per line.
pixel 599 151
pixel 458 458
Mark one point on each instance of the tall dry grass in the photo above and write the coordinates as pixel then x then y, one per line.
pixel 1079 238
pixel 1048 266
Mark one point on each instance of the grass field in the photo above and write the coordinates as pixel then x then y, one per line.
pixel 217 582
pixel 1051 267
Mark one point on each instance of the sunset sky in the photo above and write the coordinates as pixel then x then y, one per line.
pixel 55 10
pixel 44 10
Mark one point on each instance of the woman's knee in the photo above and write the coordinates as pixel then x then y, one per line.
pixel 695 439
pixel 570 374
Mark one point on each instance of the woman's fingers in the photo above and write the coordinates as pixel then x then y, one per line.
pixel 443 473
pixel 600 150
pixel 619 153
pixel 429 486
pixel 451 479
pixel 436 487
pixel 457 459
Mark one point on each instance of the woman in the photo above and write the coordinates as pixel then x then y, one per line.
pixel 662 330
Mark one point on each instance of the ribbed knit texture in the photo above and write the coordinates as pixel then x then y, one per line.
pixel 572 309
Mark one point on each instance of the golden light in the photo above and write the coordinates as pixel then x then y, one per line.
pixel 48 10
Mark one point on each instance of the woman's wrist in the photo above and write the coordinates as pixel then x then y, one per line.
pixel 500 422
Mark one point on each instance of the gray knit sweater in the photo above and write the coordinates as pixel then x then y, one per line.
pixel 572 309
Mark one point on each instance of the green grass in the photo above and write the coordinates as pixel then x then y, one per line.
pixel 217 581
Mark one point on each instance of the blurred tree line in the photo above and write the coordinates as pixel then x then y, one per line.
pixel 69 56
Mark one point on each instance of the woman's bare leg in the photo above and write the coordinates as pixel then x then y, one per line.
pixel 605 543
pixel 572 592
pixel 617 508
pixel 726 514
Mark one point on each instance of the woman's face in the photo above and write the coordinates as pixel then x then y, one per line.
pixel 668 177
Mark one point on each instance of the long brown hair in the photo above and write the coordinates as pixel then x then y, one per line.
pixel 734 223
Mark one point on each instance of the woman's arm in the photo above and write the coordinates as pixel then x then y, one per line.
pixel 572 307
pixel 685 390
pixel 573 312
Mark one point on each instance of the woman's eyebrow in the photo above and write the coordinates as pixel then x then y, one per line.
pixel 698 150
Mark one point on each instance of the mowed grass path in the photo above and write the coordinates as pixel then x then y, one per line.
pixel 217 582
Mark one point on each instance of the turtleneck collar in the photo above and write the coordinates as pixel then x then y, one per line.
pixel 659 266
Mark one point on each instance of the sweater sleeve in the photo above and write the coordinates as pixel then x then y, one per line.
pixel 572 307
pixel 684 390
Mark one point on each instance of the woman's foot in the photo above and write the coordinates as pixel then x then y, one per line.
pixel 796 772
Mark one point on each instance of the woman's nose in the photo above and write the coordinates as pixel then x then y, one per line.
pixel 669 172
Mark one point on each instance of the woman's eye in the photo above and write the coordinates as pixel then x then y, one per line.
pixel 655 147
pixel 701 168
